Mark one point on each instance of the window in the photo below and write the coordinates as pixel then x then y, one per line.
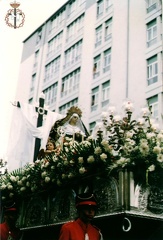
pixel 47 73
pixel 94 99
pixel 70 32
pixel 107 60
pixel 151 5
pixel 55 44
pixel 55 66
pixel 33 83
pixel 75 28
pixel 36 58
pixel 39 35
pixel 59 41
pixel 108 4
pixel 108 29
pixel 91 127
pixel 70 83
pixel 51 94
pixel 52 25
pixel 57 21
pixel 63 109
pixel 80 24
pixel 72 7
pixel 75 5
pixel 98 36
pixel 100 8
pixel 73 54
pixel 152 70
pixel 30 101
pixel 105 93
pixel 51 69
pixel 50 47
pixel 153 103
pixel 151 33
pixel 61 18
pixel 96 66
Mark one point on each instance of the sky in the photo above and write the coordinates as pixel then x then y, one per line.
pixel 11 45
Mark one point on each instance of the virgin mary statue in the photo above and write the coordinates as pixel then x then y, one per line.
pixel 69 126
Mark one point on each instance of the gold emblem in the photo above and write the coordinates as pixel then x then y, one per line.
pixel 15 17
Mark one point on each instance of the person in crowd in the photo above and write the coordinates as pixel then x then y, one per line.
pixel 8 229
pixel 82 228
pixel 70 126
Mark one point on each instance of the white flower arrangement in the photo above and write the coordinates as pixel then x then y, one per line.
pixel 118 143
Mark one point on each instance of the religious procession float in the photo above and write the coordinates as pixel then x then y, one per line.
pixel 121 162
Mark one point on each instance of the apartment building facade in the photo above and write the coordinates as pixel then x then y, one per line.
pixel 93 53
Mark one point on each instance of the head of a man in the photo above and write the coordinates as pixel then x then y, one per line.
pixel 86 205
